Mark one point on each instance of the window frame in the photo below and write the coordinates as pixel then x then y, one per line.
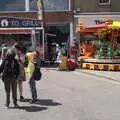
pixel 104 3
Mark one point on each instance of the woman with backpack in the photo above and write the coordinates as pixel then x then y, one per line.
pixel 10 71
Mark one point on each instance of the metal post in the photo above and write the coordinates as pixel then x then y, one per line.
pixel 40 8
pixel 69 5
pixel 71 34
pixel 27 5
pixel 43 33
pixel 33 39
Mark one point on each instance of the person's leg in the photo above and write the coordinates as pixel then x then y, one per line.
pixel 14 90
pixel 33 89
pixel 7 90
pixel 20 87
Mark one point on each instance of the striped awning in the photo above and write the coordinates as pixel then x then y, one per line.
pixel 15 31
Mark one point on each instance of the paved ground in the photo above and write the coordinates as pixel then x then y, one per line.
pixel 76 95
pixel 111 75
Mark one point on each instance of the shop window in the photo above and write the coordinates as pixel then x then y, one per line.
pixel 49 5
pixel 104 2
pixel 12 5
pixel 56 5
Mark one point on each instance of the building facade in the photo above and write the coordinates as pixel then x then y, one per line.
pixel 95 11
pixel 98 50
pixel 58 19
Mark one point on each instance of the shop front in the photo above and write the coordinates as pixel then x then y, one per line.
pixel 99 45
pixel 57 36
pixel 29 32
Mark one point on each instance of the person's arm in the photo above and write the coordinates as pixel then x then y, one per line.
pixel 2 66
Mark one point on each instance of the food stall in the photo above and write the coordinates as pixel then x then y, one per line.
pixel 99 46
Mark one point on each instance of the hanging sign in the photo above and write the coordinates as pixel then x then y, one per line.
pixel 14 22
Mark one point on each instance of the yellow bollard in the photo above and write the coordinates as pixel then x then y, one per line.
pixel 92 67
pixel 119 67
pixel 111 67
pixel 84 65
pixel 101 67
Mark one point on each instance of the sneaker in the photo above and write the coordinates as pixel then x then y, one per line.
pixel 7 105
pixel 16 105
pixel 33 101
pixel 21 98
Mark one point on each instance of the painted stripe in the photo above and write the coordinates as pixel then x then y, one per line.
pixel 100 66
pixel 92 66
pixel 111 67
pixel 83 65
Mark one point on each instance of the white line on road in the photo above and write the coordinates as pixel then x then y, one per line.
pixel 106 79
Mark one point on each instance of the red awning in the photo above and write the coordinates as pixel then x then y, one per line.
pixel 15 31
pixel 85 30
pixel 98 26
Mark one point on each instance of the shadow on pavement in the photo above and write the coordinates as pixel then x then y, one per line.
pixel 46 102
pixel 25 100
pixel 30 108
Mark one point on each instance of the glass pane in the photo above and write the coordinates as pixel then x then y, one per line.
pixel 33 5
pixel 51 5
pixel 12 5
pixel 104 1
pixel 56 4
pixel 19 5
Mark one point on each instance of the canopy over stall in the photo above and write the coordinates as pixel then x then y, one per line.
pixel 99 37
pixel 99 45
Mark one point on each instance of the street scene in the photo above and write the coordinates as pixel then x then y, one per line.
pixel 59 60
pixel 77 95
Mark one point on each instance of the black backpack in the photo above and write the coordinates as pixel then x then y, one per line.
pixel 37 73
pixel 9 69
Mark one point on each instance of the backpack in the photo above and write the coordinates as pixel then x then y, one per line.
pixel 37 73
pixel 9 69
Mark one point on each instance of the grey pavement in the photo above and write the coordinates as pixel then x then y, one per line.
pixel 75 95
pixel 111 75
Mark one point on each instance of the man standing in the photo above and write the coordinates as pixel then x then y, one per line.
pixel 10 71
pixel 32 59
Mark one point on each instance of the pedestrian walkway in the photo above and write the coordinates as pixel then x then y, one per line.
pixel 106 74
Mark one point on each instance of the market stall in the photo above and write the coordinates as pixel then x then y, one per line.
pixel 99 46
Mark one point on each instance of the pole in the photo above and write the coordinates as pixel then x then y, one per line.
pixel 33 38
pixel 40 9
pixel 27 8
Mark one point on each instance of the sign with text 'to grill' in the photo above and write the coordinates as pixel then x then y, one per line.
pixel 15 22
